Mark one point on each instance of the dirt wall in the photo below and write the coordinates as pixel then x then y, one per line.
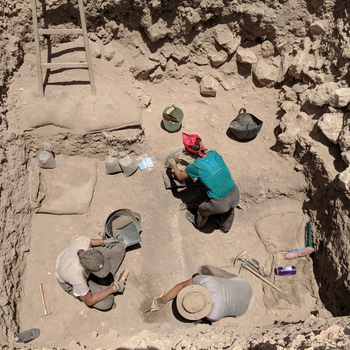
pixel 191 24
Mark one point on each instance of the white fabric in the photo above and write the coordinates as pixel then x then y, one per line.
pixel 69 270
pixel 230 297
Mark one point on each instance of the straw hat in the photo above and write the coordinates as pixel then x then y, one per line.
pixel 194 302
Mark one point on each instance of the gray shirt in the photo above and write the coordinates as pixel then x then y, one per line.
pixel 231 297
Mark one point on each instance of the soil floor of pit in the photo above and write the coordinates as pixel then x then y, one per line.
pixel 171 249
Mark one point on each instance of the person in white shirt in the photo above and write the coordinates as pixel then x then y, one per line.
pixel 212 294
pixel 86 270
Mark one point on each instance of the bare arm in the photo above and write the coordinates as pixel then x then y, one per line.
pixel 180 175
pixel 176 290
pixel 91 299
pixel 96 242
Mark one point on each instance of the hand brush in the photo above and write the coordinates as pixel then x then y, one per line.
pixel 303 251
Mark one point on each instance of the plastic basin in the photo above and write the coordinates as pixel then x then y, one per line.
pixel 176 112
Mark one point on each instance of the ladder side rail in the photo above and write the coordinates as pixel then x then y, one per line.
pixel 87 48
pixel 37 49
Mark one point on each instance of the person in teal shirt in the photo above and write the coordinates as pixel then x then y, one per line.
pixel 223 194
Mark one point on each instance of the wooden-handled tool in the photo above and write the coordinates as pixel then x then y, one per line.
pixel 123 276
pixel 261 277
pixel 43 299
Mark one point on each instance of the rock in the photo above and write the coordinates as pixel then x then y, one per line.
pixel 118 60
pixel 200 60
pixel 157 74
pixel 108 52
pixel 314 76
pixel 344 139
pixel 171 66
pixel 300 32
pixel 95 49
pixel 225 38
pixel 154 57
pixel 321 94
pixel 299 88
pixel 286 61
pixel 290 94
pixel 142 67
pixel 331 125
pixel 228 84
pixel 217 58
pixel 208 86
pixel 181 53
pixel 191 17
pixel 267 49
pixel 167 50
pixel 289 123
pixel 297 65
pixel 346 157
pixel 246 56
pixel 93 36
pixel 340 98
pixel 318 28
pixel 265 73
pixel 157 31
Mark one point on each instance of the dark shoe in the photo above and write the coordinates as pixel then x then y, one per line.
pixel 190 217
pixel 217 220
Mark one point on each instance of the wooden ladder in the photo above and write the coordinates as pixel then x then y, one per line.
pixel 78 31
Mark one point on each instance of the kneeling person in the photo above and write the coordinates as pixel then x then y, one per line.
pixel 212 294
pixel 86 270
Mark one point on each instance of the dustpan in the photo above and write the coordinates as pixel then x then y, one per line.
pixel 125 225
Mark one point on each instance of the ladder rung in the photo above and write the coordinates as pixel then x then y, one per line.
pixel 59 31
pixel 65 65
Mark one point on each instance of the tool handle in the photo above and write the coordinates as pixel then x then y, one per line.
pixel 42 297
pixel 124 276
pixel 263 278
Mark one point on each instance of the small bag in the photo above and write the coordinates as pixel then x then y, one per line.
pixel 128 165
pixel 112 163
pixel 125 225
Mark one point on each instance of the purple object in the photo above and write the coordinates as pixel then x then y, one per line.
pixel 286 270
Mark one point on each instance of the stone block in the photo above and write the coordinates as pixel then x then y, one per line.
pixel 340 98
pixel 265 73
pixel 331 124
pixel 246 56
pixel 208 86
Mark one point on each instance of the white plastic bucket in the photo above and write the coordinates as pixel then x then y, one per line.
pixel 175 112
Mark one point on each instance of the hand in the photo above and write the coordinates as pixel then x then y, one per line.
pixel 110 242
pixel 120 286
pixel 157 304
pixel 171 161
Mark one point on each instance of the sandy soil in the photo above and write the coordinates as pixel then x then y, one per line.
pixel 171 249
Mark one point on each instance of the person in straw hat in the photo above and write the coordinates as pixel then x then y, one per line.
pixel 86 270
pixel 212 294
pixel 211 170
